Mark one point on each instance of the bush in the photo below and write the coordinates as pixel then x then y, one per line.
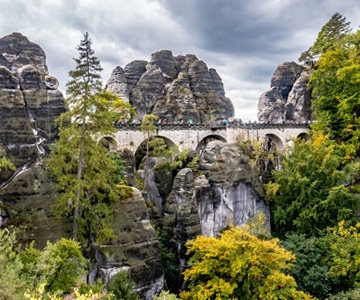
pixel 122 286
pixel 165 295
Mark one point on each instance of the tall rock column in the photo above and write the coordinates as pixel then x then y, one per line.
pixel 29 104
pixel 288 98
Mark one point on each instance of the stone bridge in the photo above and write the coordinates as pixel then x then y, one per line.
pixel 193 136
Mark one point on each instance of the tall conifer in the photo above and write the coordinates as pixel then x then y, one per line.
pixel 80 164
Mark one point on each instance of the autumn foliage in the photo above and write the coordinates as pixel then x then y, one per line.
pixel 237 265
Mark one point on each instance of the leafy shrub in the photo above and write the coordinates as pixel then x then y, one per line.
pixel 122 287
pixel 165 295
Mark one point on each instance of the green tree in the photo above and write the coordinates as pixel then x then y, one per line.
pixel 80 164
pixel 307 195
pixel 149 129
pixel 12 285
pixel 328 38
pixel 122 287
pixel 238 265
pixel 343 256
pixel 59 265
pixel 311 273
pixel 336 95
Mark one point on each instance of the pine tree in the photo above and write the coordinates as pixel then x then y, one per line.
pixel 328 37
pixel 80 164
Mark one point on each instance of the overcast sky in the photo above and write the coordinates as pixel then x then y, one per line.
pixel 244 40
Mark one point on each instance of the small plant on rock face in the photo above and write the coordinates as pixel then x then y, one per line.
pixel 122 287
pixel 5 164
pixel 165 295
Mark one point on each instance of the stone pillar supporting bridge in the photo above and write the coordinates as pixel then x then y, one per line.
pixel 192 136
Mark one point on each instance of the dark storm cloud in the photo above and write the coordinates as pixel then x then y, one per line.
pixel 257 26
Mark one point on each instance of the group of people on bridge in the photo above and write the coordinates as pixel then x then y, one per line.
pixel 219 123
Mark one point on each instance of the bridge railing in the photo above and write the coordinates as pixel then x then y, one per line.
pixel 212 126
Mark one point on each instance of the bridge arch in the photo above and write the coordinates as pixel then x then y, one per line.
pixel 209 138
pixel 108 142
pixel 304 136
pixel 272 141
pixel 140 151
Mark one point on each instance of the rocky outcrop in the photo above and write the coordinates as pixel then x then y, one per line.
pixel 288 97
pixel 118 84
pixel 26 202
pixel 173 87
pixel 29 101
pixel 29 104
pixel 229 191
pixel 225 191
pixel 135 249
pixel 181 221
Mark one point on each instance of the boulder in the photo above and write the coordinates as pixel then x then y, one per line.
pixel 7 79
pixel 17 51
pixel 51 82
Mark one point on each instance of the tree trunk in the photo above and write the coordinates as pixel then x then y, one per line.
pixel 78 193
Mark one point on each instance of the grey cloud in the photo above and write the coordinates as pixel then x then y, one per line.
pixel 244 40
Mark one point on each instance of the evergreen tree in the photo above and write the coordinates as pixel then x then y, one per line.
pixel 308 194
pixel 328 37
pixel 80 164
pixel 335 85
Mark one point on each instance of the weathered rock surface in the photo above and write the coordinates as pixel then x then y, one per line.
pixel 181 221
pixel 135 249
pixel 288 97
pixel 29 104
pixel 29 100
pixel 229 190
pixel 173 87
pixel 26 201
pixel 118 84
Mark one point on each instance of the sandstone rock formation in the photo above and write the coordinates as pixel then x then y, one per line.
pixel 29 100
pixel 135 249
pixel 229 191
pixel 29 104
pixel 173 87
pixel 288 97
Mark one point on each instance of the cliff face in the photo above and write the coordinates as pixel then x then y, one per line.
pixel 288 97
pixel 29 103
pixel 29 100
pixel 226 192
pixel 135 249
pixel 172 87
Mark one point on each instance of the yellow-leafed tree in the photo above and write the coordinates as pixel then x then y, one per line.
pixel 237 265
